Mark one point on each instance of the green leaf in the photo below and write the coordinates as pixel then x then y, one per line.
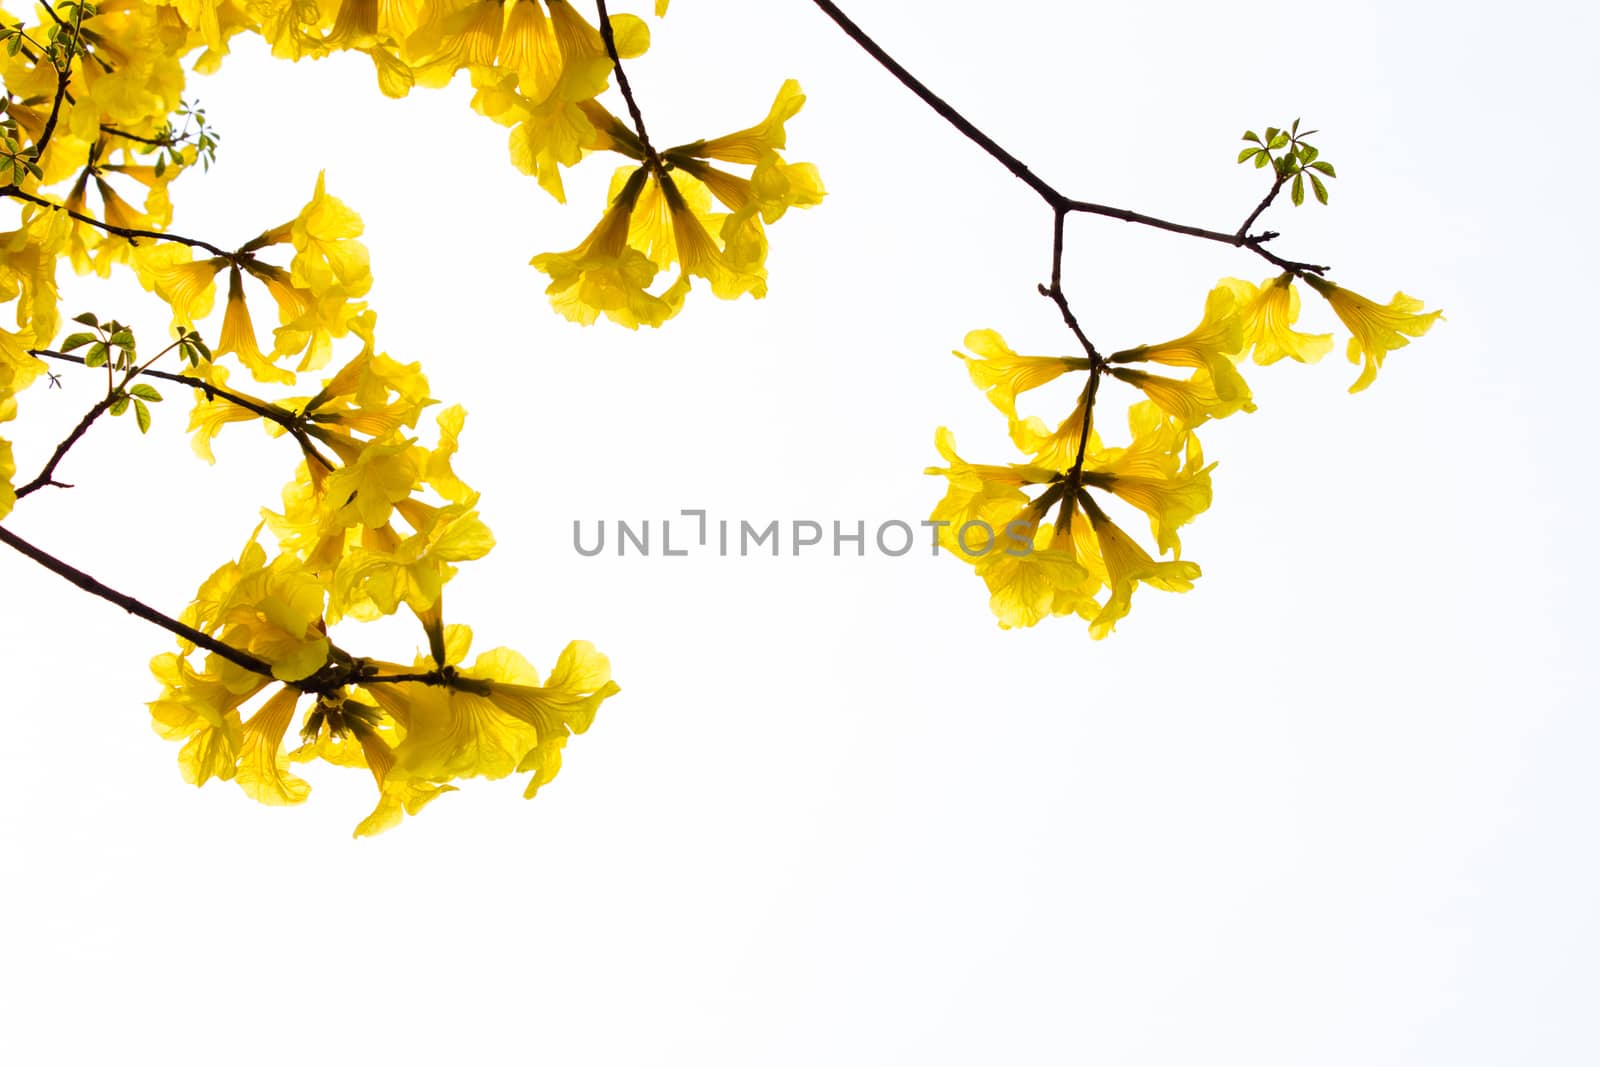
pixel 1320 189
pixel 97 355
pixel 76 340
pixel 1307 153
pixel 1247 153
pixel 1278 141
pixel 1250 135
pixel 1261 159
pixel 87 318
pixel 119 406
pixel 145 391
pixel 1326 168
pixel 1272 134
pixel 122 338
pixel 141 415
pixel 1297 191
pixel 1296 127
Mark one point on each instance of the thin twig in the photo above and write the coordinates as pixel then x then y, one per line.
pixel 1266 202
pixel 609 35
pixel 133 236
pixel 1052 196
pixel 47 475
pixel 63 78
pixel 291 422
pixel 135 607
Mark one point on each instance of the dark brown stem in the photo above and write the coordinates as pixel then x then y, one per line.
pixel 1074 480
pixel 609 35
pixel 289 420
pixel 933 100
pixel 156 142
pixel 133 236
pixel 1052 196
pixel 1266 202
pixel 63 77
pixel 133 606
pixel 47 475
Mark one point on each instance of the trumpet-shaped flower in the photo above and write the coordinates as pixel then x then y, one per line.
pixel 1269 314
pixel 1002 374
pixel 8 470
pixel 1375 329
pixel 1125 566
pixel 1029 582
pixel 607 275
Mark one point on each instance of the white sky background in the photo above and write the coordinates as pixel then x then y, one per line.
pixel 1333 807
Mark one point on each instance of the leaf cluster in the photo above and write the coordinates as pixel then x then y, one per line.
pixel 1293 159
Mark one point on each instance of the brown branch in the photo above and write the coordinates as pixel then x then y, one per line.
pixel 135 607
pixel 47 475
pixel 1266 202
pixel 132 236
pixel 157 142
pixel 609 35
pixel 1074 479
pixel 1052 196
pixel 289 420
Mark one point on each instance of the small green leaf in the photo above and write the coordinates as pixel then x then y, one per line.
pixel 76 340
pixel 1272 134
pixel 1247 153
pixel 1297 191
pixel 141 415
pixel 87 318
pixel 97 355
pixel 1326 168
pixel 146 392
pixel 1320 189
pixel 119 405
pixel 1261 159
pixel 1278 141
pixel 1250 135
pixel 1307 153
pixel 122 339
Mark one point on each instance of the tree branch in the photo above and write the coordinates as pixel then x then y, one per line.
pixel 609 35
pixel 1052 196
pixel 133 606
pixel 47 475
pixel 289 420
pixel 133 236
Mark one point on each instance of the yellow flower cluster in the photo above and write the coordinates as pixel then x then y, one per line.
pixel 662 214
pixel 1036 532
pixel 374 521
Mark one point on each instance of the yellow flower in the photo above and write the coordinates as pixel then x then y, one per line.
pixel 1211 346
pixel 1375 329
pixel 326 252
pixel 1147 474
pixel 263 769
pixel 607 275
pixel 272 611
pixel 1269 316
pixel 1191 401
pixel 414 570
pixel 1028 581
pixel 204 713
pixel 1126 565
pixel 1002 374
pixel 1058 450
pixel 365 491
pixel 491 720
pixel 985 494
pixel 8 470
pixel 238 336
